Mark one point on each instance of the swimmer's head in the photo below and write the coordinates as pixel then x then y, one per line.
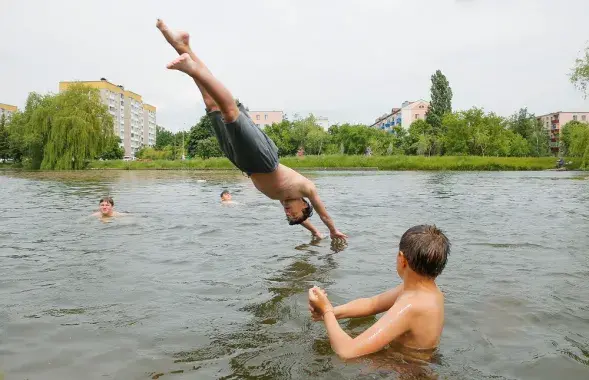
pixel 225 196
pixel 106 204
pixel 424 249
pixel 297 210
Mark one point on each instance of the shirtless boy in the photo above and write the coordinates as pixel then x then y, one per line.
pixel 106 208
pixel 246 145
pixel 414 310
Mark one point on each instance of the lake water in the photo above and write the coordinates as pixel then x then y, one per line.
pixel 185 288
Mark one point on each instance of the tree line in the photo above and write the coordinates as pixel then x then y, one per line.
pixel 67 130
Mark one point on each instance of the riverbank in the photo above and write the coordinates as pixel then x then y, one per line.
pixel 343 162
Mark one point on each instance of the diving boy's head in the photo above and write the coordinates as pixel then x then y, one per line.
pixel 424 250
pixel 297 210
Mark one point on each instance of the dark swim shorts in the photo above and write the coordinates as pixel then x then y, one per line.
pixel 244 143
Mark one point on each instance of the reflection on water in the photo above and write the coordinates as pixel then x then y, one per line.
pixel 183 287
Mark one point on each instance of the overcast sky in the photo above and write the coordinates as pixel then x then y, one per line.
pixel 348 60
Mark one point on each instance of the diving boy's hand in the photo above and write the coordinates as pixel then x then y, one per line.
pixel 338 235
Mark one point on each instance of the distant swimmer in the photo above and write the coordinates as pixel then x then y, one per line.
pixel 106 209
pixel 414 310
pixel 246 145
pixel 226 197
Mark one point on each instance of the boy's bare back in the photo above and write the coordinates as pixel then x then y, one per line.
pixel 425 326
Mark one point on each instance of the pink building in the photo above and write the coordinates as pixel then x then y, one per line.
pixel 404 116
pixel 554 122
pixel 264 118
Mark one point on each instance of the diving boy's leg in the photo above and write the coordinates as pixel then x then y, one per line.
pixel 211 88
pixel 180 41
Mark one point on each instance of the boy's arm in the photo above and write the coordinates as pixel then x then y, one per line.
pixel 313 196
pixel 308 225
pixel 392 325
pixel 363 307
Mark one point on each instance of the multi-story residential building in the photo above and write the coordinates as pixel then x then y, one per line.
pixel 134 120
pixel 7 110
pixel 323 122
pixel 404 116
pixel 265 118
pixel 553 122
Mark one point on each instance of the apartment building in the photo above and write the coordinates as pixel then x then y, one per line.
pixel 265 118
pixel 553 122
pixel 134 120
pixel 404 116
pixel 323 122
pixel 7 110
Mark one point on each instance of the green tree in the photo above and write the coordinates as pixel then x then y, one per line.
pixel 441 101
pixel 77 128
pixel 458 134
pixel 203 130
pixel 580 73
pixel 281 134
pixel 523 123
pixel 4 139
pixel 26 141
pixel 113 150
pixel 575 138
pixel 317 141
pixel 418 139
pixel 163 137
pixel 539 144
pixel 207 148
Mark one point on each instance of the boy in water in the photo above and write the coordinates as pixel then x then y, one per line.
pixel 414 310
pixel 106 208
pixel 226 196
pixel 246 145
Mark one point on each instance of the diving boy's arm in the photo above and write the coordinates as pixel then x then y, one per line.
pixel 311 193
pixel 388 328
pixel 309 226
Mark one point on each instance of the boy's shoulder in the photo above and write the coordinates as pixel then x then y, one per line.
pixel 422 300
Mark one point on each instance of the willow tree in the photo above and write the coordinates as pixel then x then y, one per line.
pixel 78 128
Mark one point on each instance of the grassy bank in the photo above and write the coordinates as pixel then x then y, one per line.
pixel 357 162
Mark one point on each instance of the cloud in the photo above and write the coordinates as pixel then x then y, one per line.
pixel 349 60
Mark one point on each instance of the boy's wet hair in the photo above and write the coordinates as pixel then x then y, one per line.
pixel 224 192
pixel 426 249
pixel 107 199
pixel 307 212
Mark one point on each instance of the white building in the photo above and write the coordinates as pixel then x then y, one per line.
pixel 404 116
pixel 323 122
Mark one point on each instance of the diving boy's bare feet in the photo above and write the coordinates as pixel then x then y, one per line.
pixel 178 39
pixel 185 64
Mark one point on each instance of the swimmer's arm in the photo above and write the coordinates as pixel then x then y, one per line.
pixel 391 326
pixel 364 307
pixel 308 225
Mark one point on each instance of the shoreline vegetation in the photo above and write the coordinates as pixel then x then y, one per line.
pixel 348 162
